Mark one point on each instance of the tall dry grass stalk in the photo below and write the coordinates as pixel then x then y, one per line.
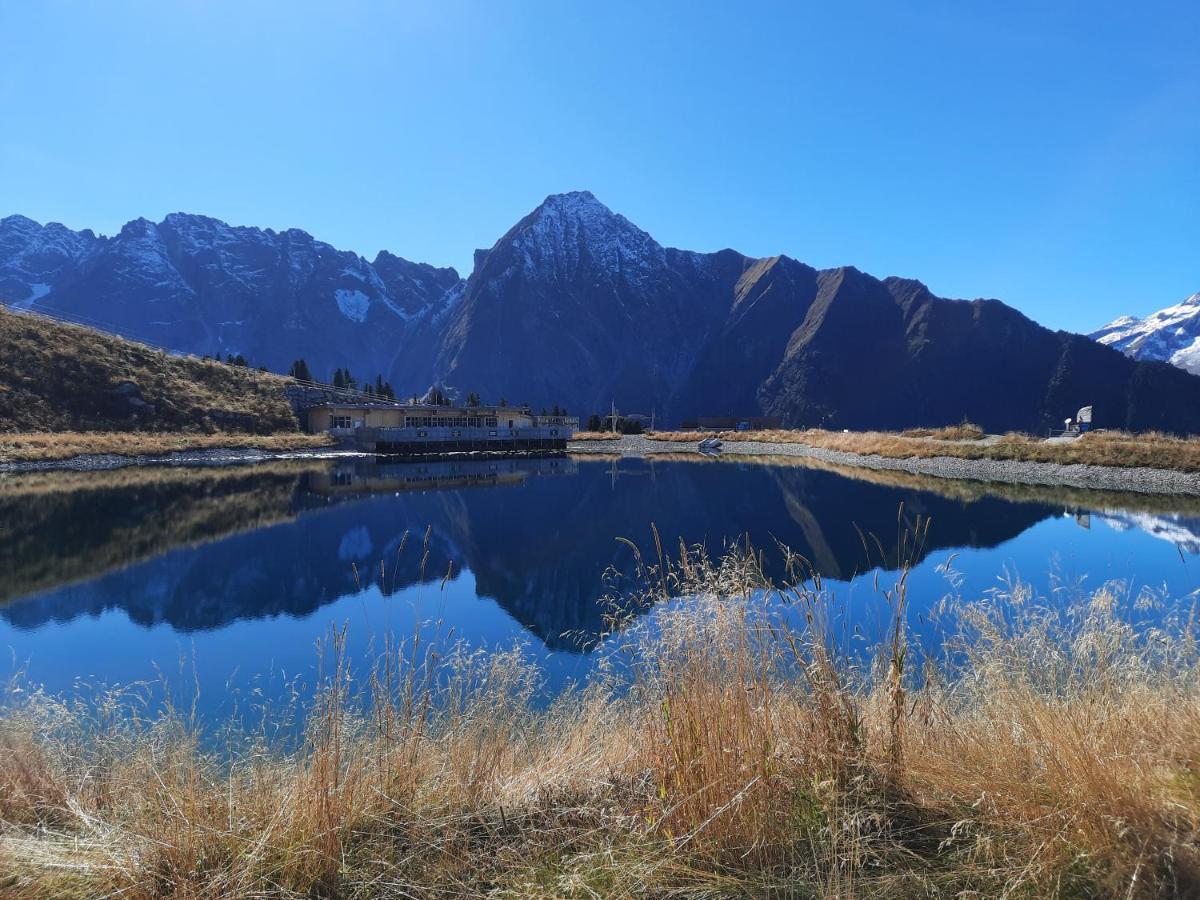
pixel 736 740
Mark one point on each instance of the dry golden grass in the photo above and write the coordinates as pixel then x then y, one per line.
pixel 59 377
pixel 1099 448
pixel 966 431
pixel 596 436
pixel 739 752
pixel 66 445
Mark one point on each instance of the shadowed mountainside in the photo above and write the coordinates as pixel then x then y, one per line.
pixel 577 306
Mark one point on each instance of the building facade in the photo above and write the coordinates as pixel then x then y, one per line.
pixel 421 428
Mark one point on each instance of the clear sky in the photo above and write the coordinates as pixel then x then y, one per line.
pixel 1044 153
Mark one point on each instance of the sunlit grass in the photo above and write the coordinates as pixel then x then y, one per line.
pixel 66 445
pixel 1099 448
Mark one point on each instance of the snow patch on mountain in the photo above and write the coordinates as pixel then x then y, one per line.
pixel 1171 335
pixel 353 304
pixel 37 291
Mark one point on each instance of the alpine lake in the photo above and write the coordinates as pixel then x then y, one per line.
pixel 217 586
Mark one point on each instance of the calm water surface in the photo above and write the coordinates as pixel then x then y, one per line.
pixel 235 574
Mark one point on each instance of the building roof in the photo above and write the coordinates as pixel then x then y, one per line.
pixel 420 407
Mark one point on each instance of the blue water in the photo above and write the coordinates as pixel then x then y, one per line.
pixel 220 584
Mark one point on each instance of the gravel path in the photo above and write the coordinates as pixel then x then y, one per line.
pixel 1109 478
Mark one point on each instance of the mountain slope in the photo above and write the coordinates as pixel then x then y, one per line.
pixel 56 377
pixel 1171 335
pixel 890 354
pixel 198 285
pixel 576 304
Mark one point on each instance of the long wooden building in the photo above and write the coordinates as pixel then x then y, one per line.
pixel 418 428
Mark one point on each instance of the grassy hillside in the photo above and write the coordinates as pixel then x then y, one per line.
pixel 58 377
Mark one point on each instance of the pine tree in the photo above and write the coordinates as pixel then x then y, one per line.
pixel 299 370
pixel 594 423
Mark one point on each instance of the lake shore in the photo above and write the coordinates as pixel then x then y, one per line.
pixel 1139 479
pixel 105 451
pixel 98 451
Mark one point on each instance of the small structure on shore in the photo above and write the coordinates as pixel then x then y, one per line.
pixel 380 426
pixel 1078 425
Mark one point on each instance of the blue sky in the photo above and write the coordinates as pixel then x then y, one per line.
pixel 1044 153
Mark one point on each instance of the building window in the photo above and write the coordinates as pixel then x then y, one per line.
pixel 339 421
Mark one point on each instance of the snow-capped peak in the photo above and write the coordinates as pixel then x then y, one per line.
pixel 568 230
pixel 1171 334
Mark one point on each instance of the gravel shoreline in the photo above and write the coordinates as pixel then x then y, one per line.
pixel 1108 478
pixel 97 462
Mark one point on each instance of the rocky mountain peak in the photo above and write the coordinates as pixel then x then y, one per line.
pixel 573 233
pixel 19 223
pixel 1171 335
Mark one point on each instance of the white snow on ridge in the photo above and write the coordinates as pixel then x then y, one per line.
pixel 353 304
pixel 36 293
pixel 566 226
pixel 1171 334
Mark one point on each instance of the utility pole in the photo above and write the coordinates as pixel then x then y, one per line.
pixel 612 418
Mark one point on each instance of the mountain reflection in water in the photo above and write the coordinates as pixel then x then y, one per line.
pixel 199 549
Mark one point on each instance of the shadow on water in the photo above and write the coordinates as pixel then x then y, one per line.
pixel 198 549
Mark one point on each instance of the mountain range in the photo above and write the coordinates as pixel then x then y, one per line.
pixel 576 305
pixel 1171 335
